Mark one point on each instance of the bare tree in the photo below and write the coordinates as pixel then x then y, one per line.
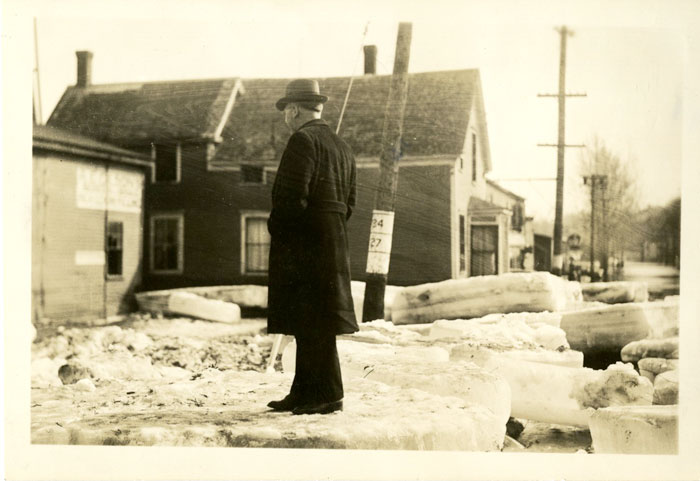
pixel 615 201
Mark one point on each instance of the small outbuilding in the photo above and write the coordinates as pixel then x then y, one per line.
pixel 87 226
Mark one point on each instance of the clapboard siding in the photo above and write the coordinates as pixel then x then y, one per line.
pixel 421 242
pixel 212 203
pixel 61 289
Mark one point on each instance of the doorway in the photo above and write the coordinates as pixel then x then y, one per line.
pixel 484 250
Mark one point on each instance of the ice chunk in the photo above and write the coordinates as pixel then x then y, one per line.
pixel 247 296
pixel 664 348
pixel 45 371
pixel 478 296
pixel 666 388
pixel 426 368
pixel 202 308
pixel 350 352
pixel 505 332
pixel 557 394
pixel 635 430
pixel 231 412
pixel 85 384
pixel 657 365
pixel 612 327
pixel 616 292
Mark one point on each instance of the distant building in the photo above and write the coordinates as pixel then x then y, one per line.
pixel 87 224
pixel 216 145
pixel 521 236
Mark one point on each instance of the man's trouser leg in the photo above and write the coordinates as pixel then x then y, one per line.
pixel 317 377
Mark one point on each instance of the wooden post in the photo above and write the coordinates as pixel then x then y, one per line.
pixel 381 230
pixel 559 208
pixel 558 258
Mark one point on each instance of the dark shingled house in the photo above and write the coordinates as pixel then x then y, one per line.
pixel 216 145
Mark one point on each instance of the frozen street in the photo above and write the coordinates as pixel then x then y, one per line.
pixel 502 382
pixel 663 280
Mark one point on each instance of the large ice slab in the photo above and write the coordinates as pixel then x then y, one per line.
pixel 635 430
pixel 479 296
pixel 202 308
pixel 228 409
pixel 612 327
pixel 245 296
pixel 615 292
pixel 558 394
pixel 427 368
pixel 506 332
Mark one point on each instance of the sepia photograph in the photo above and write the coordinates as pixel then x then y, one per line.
pixel 431 240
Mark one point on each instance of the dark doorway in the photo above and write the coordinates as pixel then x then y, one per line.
pixel 484 250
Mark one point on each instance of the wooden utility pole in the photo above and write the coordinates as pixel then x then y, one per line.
pixel 382 226
pixel 600 182
pixel 560 145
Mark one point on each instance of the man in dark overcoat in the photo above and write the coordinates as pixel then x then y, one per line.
pixel 309 294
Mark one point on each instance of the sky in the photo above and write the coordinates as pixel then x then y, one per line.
pixel 631 71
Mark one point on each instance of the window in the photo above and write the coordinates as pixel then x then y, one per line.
pixel 256 243
pixel 474 157
pixel 115 249
pixel 484 250
pixel 167 163
pixel 167 243
pixel 462 245
pixel 252 174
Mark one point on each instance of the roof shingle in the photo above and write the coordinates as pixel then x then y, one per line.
pixel 438 109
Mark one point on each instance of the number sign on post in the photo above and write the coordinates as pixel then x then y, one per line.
pixel 380 242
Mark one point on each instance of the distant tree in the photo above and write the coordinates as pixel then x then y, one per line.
pixel 664 230
pixel 616 203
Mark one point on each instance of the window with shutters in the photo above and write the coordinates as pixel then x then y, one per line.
pixel 167 243
pixel 255 243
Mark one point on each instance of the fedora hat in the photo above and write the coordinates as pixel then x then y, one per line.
pixel 301 90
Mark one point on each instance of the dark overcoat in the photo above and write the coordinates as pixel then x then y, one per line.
pixel 309 271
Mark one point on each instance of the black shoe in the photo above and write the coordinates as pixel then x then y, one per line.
pixel 322 408
pixel 289 403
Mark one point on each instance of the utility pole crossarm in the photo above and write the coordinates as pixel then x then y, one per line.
pixel 580 146
pixel 565 95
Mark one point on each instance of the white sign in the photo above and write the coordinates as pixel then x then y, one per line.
pixel 380 237
pixel 89 258
pixel 123 190
pixel 90 187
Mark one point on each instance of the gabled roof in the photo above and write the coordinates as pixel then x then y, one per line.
pixel 438 110
pixel 57 140
pixel 480 205
pixel 499 187
pixel 138 113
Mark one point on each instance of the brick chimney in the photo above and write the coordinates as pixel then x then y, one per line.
pixel 84 68
pixel 370 59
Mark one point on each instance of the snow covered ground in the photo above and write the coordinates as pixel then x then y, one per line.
pixel 444 384
pixel 179 381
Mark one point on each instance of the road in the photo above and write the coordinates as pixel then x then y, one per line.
pixel 662 280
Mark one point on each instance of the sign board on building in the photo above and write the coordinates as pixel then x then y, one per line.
pixel 114 189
